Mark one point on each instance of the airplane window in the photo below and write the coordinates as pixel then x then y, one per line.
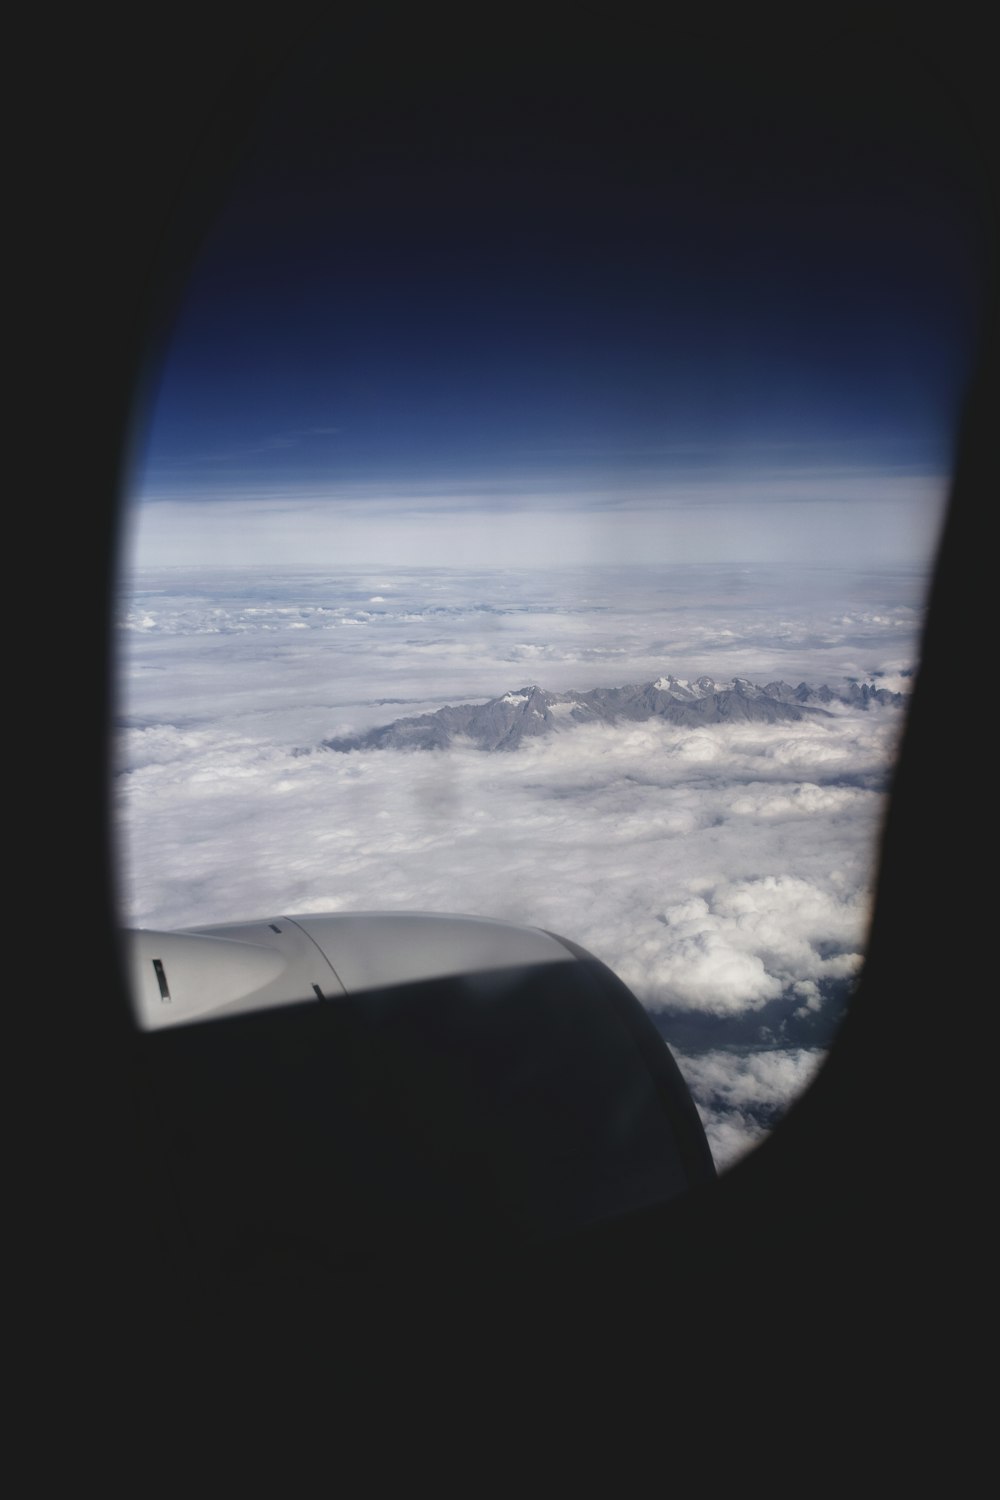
pixel 533 521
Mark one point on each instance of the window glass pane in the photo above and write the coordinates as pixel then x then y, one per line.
pixel 534 520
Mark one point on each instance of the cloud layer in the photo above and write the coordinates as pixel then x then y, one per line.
pixel 739 1098
pixel 724 873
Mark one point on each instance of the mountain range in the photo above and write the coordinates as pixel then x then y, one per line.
pixel 504 723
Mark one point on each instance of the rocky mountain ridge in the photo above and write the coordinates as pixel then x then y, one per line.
pixel 504 723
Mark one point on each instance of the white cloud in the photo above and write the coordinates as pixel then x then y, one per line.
pixel 735 1095
pixel 758 1080
pixel 731 1134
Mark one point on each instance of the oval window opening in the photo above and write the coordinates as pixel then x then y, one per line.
pixel 534 521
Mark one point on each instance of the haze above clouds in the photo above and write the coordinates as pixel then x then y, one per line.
pixel 724 872
pixel 762 516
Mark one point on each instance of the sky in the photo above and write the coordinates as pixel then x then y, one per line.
pixel 572 366
pixel 532 312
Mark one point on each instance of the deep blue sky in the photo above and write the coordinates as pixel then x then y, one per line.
pixel 567 283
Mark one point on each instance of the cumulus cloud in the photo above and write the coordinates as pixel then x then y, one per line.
pixel 740 1097
pixel 723 872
